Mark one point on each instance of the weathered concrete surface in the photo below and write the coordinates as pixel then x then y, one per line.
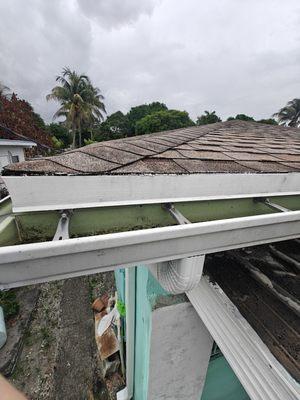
pixel 74 373
pixel 16 328
pixel 179 353
pixel 59 356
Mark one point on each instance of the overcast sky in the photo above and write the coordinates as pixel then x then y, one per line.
pixel 232 56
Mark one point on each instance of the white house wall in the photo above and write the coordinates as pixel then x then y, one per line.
pixel 5 152
pixel 179 353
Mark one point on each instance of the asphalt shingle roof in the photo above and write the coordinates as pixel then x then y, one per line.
pixel 233 147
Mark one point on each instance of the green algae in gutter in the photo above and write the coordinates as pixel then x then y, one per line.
pixel 5 207
pixel 41 226
pixel 9 234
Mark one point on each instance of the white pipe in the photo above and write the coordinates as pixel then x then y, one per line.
pixel 179 276
pixel 3 334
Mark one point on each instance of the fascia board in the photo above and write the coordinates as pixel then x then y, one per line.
pixel 262 376
pixel 41 193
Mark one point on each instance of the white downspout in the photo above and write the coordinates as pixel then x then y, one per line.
pixel 183 275
pixel 179 276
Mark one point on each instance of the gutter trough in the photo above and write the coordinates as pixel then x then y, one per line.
pixel 40 262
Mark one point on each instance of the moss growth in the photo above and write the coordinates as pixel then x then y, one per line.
pixel 9 303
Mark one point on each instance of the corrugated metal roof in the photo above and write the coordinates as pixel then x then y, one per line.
pixel 277 324
pixel 233 147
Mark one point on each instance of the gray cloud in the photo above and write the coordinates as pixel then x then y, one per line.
pixel 115 13
pixel 227 55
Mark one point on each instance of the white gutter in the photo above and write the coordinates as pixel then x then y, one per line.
pixel 262 376
pixel 40 193
pixel 40 262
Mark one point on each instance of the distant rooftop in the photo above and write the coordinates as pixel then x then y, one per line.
pixel 225 147
pixel 20 143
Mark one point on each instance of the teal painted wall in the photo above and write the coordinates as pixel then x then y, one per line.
pixel 120 283
pixel 142 335
pixel 221 383
pixel 147 291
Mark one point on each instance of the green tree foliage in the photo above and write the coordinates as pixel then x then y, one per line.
pixel 162 121
pixel 61 133
pixel 115 126
pixel 269 121
pixel 137 113
pixel 241 117
pixel 208 118
pixel 80 102
pixel 39 120
pixel 57 143
pixel 9 303
pixel 289 115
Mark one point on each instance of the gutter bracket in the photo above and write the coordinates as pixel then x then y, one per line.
pixel 62 230
pixel 179 218
pixel 179 276
pixel 270 204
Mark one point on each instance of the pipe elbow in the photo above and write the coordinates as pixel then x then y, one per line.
pixel 180 276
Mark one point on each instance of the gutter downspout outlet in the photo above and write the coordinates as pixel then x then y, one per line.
pixel 179 276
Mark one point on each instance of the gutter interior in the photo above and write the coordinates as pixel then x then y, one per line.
pixel 41 226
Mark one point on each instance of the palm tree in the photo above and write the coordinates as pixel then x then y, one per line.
pixel 81 102
pixel 208 118
pixel 290 114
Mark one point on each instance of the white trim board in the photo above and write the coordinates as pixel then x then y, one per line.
pixel 41 193
pixel 41 262
pixel 262 376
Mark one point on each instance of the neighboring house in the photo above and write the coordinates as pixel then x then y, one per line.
pixel 38 148
pixel 13 151
pixel 202 227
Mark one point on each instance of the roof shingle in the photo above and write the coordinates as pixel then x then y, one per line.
pixel 232 146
